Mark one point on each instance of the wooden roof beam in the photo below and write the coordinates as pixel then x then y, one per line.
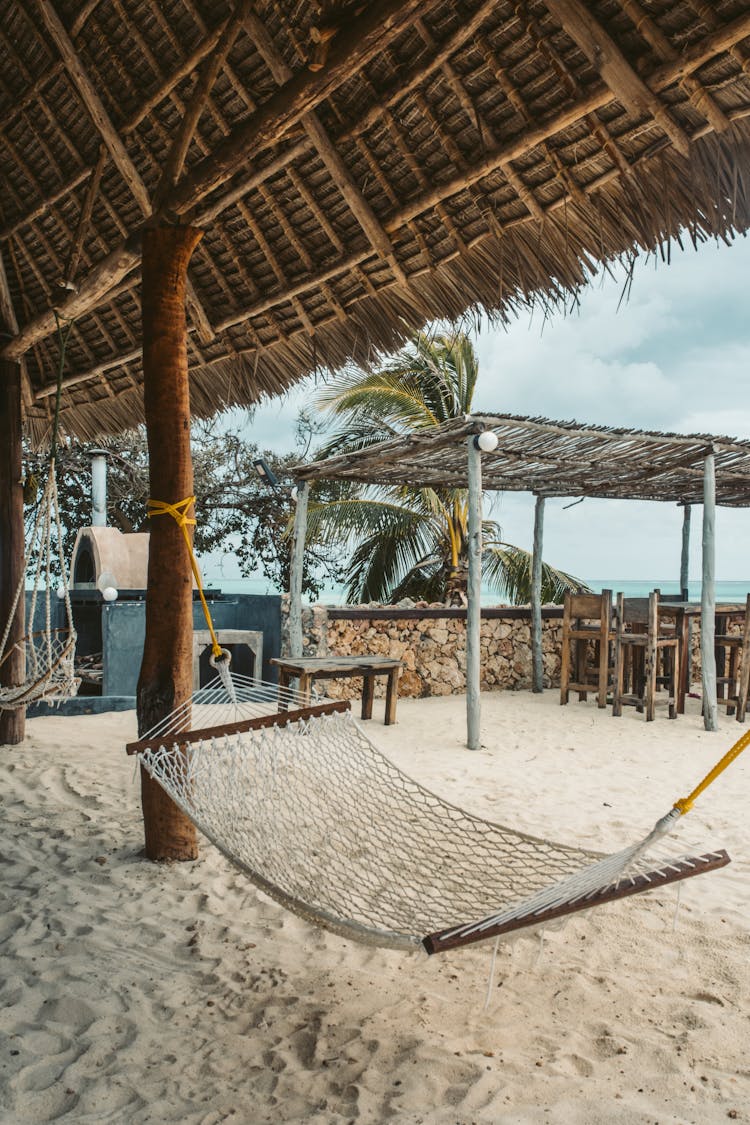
pixel 116 148
pixel 187 66
pixel 343 179
pixel 364 37
pixel 175 161
pixel 658 41
pixel 84 220
pixel 605 56
pixel 93 103
pixel 84 12
pixel 109 273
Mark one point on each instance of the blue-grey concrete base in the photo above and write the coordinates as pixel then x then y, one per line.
pixel 82 705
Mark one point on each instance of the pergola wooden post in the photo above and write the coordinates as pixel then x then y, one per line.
pixel 12 671
pixel 166 678
pixel 685 555
pixel 537 664
pixel 295 570
pixel 474 594
pixel 708 596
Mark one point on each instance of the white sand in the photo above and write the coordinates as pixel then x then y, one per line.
pixel 134 993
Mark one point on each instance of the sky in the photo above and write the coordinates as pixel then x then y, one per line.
pixel 673 354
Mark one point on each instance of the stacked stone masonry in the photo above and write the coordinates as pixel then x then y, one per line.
pixel 433 648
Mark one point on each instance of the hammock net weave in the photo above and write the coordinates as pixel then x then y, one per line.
pixel 324 823
pixel 48 654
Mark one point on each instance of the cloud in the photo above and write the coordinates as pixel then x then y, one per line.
pixel 674 356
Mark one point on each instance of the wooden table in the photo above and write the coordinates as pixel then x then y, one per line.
pixel 308 668
pixel 682 613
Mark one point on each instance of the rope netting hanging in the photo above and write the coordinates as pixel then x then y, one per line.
pixel 47 654
pixel 323 822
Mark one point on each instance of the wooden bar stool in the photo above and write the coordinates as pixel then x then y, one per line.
pixel 643 661
pixel 733 668
pixel 586 641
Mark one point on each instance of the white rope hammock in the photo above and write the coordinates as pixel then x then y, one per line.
pixel 47 655
pixel 325 824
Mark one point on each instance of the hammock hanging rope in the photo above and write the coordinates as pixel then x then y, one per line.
pixel 47 654
pixel 300 799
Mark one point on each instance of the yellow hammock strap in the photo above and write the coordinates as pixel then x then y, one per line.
pixel 685 804
pixel 179 513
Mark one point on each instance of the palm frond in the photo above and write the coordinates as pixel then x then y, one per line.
pixel 507 569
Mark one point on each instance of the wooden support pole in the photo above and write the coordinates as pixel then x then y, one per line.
pixel 166 679
pixel 685 554
pixel 295 570
pixel 12 671
pixel 537 666
pixel 708 596
pixel 474 595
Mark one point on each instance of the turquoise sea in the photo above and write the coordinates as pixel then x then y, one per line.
pixel 726 591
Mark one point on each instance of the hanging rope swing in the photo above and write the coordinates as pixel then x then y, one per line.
pixel 48 654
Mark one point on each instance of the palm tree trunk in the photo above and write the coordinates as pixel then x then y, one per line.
pixel 165 680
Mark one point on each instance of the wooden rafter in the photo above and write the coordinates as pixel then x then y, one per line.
pixel 608 60
pixel 655 37
pixel 113 142
pixel 112 269
pixel 334 162
pixel 177 154
pixel 361 40
pixel 94 105
pixel 84 220
pixel 406 213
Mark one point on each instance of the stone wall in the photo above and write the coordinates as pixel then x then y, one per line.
pixel 433 648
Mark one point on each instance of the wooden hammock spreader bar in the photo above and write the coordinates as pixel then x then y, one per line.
pixel 277 719
pixel 672 873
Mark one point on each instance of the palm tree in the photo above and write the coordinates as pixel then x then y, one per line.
pixel 412 542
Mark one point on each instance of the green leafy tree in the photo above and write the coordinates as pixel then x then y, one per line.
pixel 237 513
pixel 412 542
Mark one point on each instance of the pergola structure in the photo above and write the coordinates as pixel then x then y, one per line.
pixel 504 452
pixel 312 182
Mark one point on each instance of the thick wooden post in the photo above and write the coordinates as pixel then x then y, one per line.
pixel 474 596
pixel 12 723
pixel 537 665
pixel 708 597
pixel 166 679
pixel 295 570
pixel 685 554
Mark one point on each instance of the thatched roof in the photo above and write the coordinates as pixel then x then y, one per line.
pixel 553 459
pixel 429 157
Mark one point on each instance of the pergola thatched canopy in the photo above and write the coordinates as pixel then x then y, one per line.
pixel 358 168
pixel 553 459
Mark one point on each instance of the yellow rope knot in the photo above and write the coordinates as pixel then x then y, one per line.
pixel 179 513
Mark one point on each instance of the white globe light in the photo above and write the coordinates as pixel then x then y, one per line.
pixel 61 592
pixel 486 441
pixel 109 593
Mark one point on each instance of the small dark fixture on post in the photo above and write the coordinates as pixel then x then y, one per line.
pixel 265 472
